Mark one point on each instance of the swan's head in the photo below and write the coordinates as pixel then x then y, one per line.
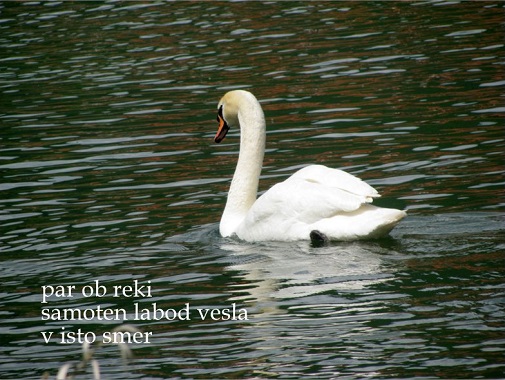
pixel 227 114
pixel 228 110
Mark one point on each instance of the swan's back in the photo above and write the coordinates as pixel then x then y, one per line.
pixel 316 197
pixel 337 179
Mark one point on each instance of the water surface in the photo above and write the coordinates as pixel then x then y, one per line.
pixel 109 173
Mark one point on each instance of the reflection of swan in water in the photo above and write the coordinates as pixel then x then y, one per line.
pixel 292 270
pixel 316 202
pixel 273 271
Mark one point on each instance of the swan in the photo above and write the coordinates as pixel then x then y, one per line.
pixel 316 203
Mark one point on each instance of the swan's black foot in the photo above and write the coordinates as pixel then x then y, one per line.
pixel 318 239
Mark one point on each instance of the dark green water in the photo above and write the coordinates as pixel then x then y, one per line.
pixel 109 173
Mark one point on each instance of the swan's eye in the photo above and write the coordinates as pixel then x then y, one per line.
pixel 220 114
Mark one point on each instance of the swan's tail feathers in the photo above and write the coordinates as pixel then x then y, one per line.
pixel 389 219
pixel 368 222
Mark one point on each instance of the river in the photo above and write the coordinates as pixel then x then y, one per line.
pixel 110 180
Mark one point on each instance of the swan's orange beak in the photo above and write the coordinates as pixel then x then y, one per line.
pixel 223 127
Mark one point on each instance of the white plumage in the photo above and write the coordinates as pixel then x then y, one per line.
pixel 315 198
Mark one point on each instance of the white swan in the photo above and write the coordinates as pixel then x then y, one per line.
pixel 316 202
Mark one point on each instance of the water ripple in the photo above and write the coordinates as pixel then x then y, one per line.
pixel 108 171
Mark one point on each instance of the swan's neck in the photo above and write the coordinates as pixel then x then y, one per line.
pixel 244 185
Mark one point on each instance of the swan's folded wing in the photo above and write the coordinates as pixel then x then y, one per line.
pixel 303 200
pixel 311 195
pixel 336 179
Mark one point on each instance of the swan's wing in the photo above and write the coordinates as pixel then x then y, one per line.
pixel 316 197
pixel 336 179
pixel 311 194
